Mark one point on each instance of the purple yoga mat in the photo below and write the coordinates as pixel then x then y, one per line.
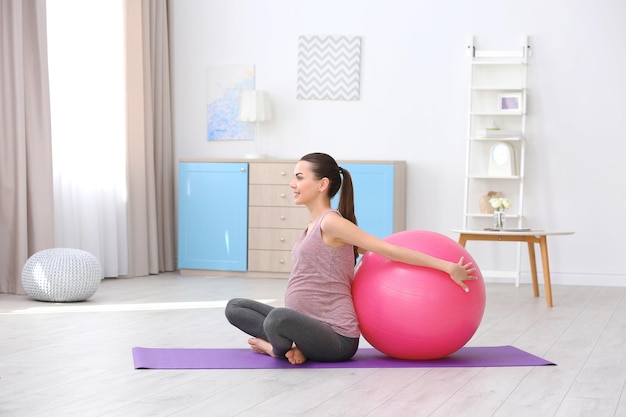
pixel 172 358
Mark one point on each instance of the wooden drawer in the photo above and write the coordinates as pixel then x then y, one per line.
pixel 279 217
pixel 270 195
pixel 271 173
pixel 269 261
pixel 273 239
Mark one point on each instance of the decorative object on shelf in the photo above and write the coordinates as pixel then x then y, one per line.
pixel 499 219
pixel 329 67
pixel 491 131
pixel 499 204
pixel 494 132
pixel 485 204
pixel 501 160
pixel 510 103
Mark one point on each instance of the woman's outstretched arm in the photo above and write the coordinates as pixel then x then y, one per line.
pixel 338 231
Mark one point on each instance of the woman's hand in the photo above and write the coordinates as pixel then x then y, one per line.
pixel 461 272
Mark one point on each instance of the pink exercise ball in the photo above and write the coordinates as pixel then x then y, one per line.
pixel 412 312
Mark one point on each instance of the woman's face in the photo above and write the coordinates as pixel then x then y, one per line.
pixel 305 186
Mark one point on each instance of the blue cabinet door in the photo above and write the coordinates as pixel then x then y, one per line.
pixel 213 216
pixel 373 197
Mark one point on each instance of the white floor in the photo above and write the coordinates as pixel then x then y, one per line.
pixel 75 359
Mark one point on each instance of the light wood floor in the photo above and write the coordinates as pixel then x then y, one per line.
pixel 75 359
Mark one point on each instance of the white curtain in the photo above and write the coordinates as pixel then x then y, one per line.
pixel 87 96
pixel 111 132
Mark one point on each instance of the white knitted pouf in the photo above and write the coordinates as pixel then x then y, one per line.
pixel 61 275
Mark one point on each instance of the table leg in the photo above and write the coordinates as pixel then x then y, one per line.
pixel 530 240
pixel 533 267
pixel 543 244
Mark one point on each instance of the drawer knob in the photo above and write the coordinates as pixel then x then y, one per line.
pixel 283 195
pixel 242 169
pixel 282 239
pixel 282 261
pixel 282 217
pixel 283 173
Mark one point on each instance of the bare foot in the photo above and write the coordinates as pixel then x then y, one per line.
pixel 261 346
pixel 295 356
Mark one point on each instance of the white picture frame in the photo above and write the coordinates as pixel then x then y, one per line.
pixel 510 103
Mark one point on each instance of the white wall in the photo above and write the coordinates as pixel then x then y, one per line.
pixel 413 106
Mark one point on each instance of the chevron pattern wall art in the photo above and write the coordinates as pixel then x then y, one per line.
pixel 329 67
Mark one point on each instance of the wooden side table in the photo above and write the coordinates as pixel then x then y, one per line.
pixel 530 237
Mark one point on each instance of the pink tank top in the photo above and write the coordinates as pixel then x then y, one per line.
pixel 320 282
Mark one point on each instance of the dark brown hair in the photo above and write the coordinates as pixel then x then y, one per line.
pixel 325 166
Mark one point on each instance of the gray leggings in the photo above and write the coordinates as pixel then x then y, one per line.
pixel 283 326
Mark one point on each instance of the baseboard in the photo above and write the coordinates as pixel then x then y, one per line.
pixel 595 280
pixel 231 274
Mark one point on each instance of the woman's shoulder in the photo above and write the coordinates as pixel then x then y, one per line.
pixel 332 220
pixel 330 215
pixel 329 211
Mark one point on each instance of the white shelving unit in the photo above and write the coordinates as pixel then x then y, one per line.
pixel 496 136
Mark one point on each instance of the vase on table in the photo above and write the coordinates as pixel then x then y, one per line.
pixel 498 219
